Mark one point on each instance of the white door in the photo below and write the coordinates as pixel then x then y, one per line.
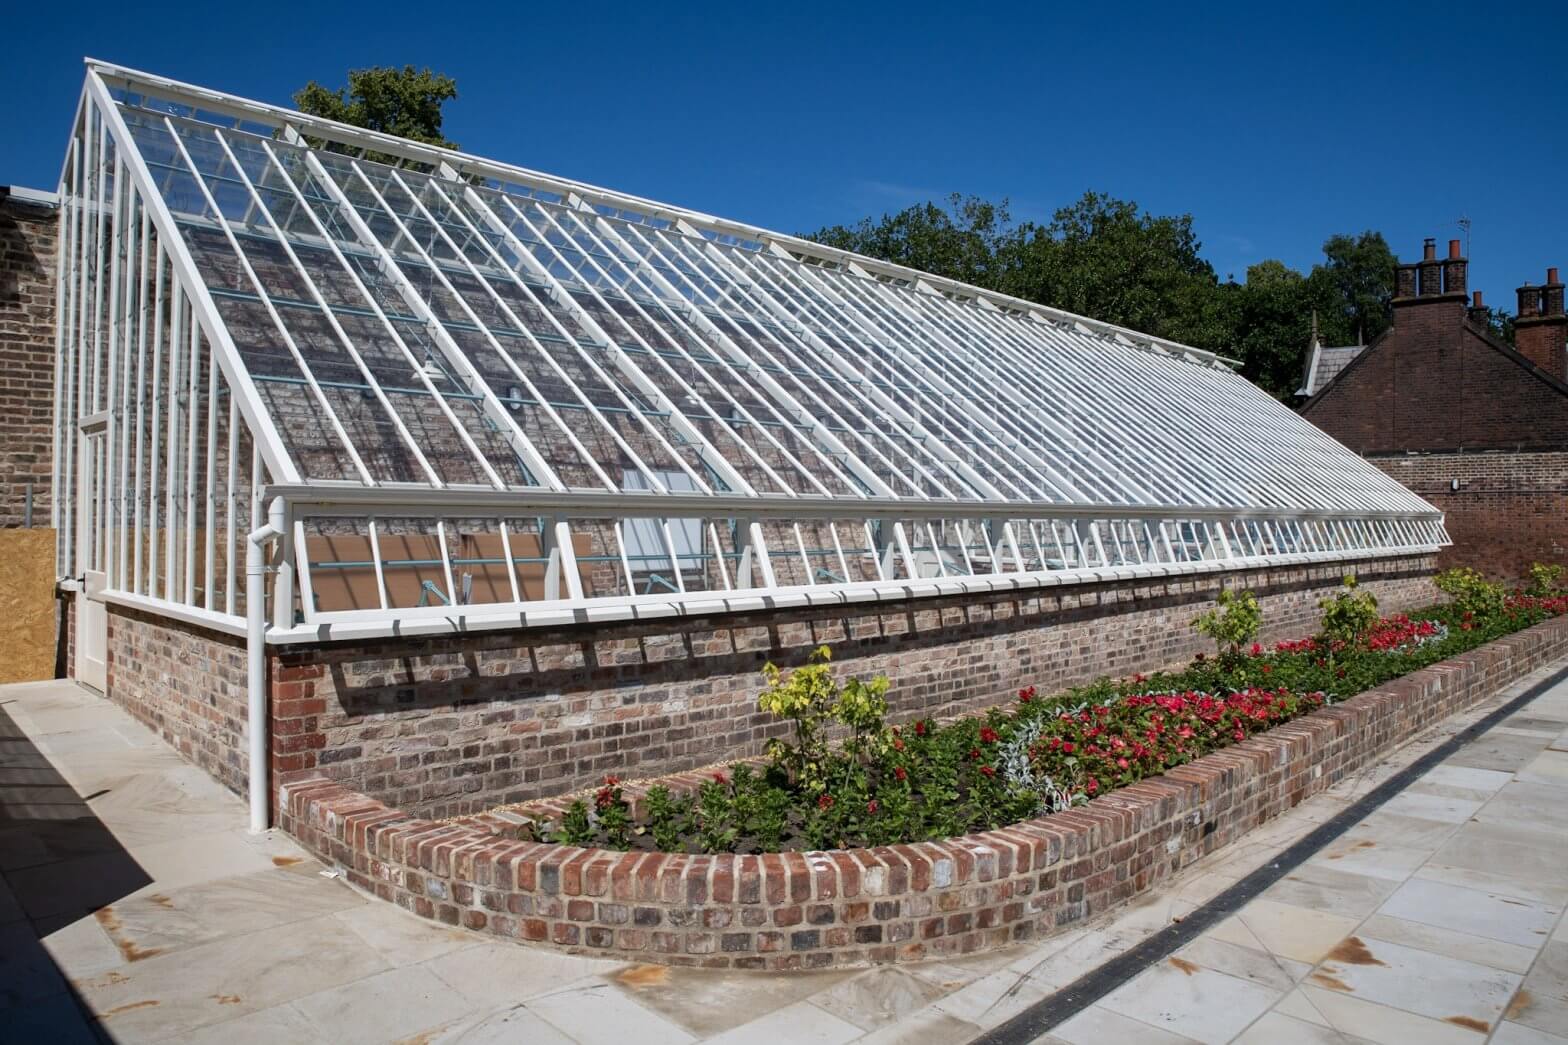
pixel 92 617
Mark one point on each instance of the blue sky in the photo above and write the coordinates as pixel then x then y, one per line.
pixel 1274 128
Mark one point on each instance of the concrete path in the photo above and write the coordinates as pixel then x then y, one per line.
pixel 134 907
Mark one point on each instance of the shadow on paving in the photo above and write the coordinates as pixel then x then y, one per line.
pixel 59 864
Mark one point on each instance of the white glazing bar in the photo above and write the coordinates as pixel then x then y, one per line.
pixel 145 309
pixel 645 385
pixel 209 494
pixel 543 355
pixel 819 415
pixel 230 507
pixel 177 328
pixel 677 314
pixel 257 419
pixel 314 290
pixel 730 355
pixel 192 437
pixel 376 564
pixel 322 403
pixel 155 437
pixel 61 304
pixel 771 298
pixel 119 274
pixel 833 341
pixel 386 323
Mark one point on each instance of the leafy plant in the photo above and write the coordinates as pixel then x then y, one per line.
pixel 666 819
pixel 1232 624
pixel 576 828
pixel 1349 615
pixel 1471 592
pixel 716 830
pixel 615 816
pixel 1543 579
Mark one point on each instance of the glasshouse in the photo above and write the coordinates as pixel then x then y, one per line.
pixel 469 484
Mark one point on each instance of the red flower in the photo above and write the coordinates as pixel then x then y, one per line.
pixel 1067 746
pixel 989 771
pixel 1026 694
pixel 920 728
pixel 974 754
pixel 825 802
pixel 898 745
pixel 611 781
pixel 900 773
pixel 720 778
pixel 871 806
pixel 1092 786
pixel 988 735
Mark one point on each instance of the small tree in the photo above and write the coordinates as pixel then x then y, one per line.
pixel 1349 615
pixel 1232 624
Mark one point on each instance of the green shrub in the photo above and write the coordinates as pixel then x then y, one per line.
pixel 1232 624
pixel 1543 579
pixel 1349 615
pixel 1471 592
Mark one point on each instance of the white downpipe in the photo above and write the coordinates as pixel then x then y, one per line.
pixel 256 657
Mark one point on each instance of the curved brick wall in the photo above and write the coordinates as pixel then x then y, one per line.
pixel 895 903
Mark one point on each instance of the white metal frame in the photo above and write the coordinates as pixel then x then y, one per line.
pixel 390 341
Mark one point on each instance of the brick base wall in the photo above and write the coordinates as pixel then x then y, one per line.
pixel 449 726
pixel 186 684
pixel 890 903
pixel 1511 509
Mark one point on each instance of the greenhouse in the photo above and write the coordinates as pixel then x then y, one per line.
pixel 316 384
pixel 485 394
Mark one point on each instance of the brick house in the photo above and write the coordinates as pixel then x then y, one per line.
pixel 1477 428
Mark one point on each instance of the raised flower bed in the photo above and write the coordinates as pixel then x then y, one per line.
pixel 919 897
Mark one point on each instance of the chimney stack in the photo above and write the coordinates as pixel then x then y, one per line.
pixel 1541 330
pixel 1455 270
pixel 1480 315
pixel 1431 270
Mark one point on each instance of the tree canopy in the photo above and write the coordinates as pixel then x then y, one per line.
pixel 1106 258
pixel 406 102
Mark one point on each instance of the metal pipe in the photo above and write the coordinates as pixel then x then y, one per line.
pixel 256 570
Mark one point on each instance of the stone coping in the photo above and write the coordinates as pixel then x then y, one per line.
pixel 889 903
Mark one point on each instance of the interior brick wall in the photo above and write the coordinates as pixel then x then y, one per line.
pixel 452 725
pixel 1511 509
pixel 28 235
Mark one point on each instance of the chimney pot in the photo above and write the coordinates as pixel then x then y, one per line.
pixel 1431 283
pixel 1453 249
pixel 1551 275
pixel 1476 299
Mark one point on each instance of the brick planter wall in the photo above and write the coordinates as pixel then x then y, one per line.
pixel 454 725
pixel 893 903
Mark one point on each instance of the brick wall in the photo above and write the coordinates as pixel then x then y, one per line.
pixel 1511 509
pixel 452 725
pixel 1434 383
pixel 27 303
pixel 889 903
pixel 186 684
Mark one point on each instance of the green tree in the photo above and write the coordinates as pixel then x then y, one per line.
pixel 966 239
pixel 1273 326
pixel 1103 257
pixel 404 102
pixel 1354 286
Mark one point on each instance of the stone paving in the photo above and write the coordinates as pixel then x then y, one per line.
pixel 134 907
